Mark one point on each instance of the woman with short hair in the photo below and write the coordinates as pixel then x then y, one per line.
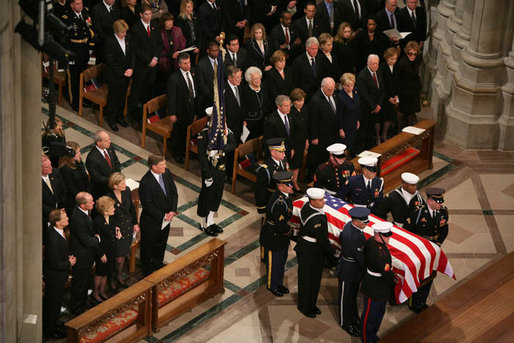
pixel 279 79
pixel 74 174
pixel 300 129
pixel 410 85
pixel 348 112
pixel 257 102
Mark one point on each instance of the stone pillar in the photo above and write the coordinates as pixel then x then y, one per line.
pixel 506 121
pixel 473 110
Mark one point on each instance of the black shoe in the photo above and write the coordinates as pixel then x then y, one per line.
pixel 123 123
pixel 179 159
pixel 113 126
pixel 275 292
pixel 56 335
pixel 352 330
pixel 208 230
pixel 228 180
pixel 283 289
pixel 424 307
pixel 317 310
pixel 75 108
pixel 216 228
pixel 123 284
pixel 308 314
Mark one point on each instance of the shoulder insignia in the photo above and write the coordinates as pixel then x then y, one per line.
pixel 280 218
pixel 317 226
pixel 408 220
pixel 64 16
pixel 264 165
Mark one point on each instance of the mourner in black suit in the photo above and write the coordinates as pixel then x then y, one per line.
pixel 409 83
pixel 348 112
pixel 130 13
pixel 307 69
pixel 413 19
pixel 329 16
pixel 330 64
pixel 351 268
pixel 279 79
pixel 147 43
pixel 387 18
pixel 278 124
pixel 188 23
pixel 205 74
pixel 84 245
pixel 323 123
pixel 105 13
pixel 159 197
pixel 235 55
pixel 57 263
pixel 390 79
pixel 235 17
pixel 283 37
pixel 258 47
pixel 101 162
pixel 307 26
pixel 54 191
pixel 120 60
pixel 371 88
pixel 354 12
pixel 74 175
pixel 182 92
pixel 257 102
pixel 210 20
pixel 367 42
pixel 234 111
pixel 300 133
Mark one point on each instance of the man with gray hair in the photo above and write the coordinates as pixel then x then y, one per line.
pixel 101 162
pixel 371 87
pixel 306 68
pixel 278 123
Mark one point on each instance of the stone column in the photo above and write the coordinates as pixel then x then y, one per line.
pixel 506 121
pixel 472 113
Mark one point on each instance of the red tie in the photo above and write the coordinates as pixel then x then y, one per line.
pixel 148 31
pixel 108 158
pixel 375 79
pixel 287 35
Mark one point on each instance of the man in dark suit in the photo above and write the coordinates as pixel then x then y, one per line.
pixel 54 191
pixel 387 18
pixel 323 123
pixel 329 16
pixel 84 245
pixel 413 19
pixel 236 55
pixel 147 42
pixel 277 124
pixel 307 26
pixel 234 111
pixel 182 95
pixel 283 37
pixel 101 162
pixel 371 88
pixel 58 261
pixel 354 12
pixel 210 20
pixel 205 72
pixel 105 13
pixel 159 198
pixel 235 17
pixel 307 69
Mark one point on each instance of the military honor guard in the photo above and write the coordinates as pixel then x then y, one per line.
pixel 277 231
pixel 332 174
pixel 213 142
pixel 402 201
pixel 378 281
pixel 351 268
pixel 364 190
pixel 429 221
pixel 312 246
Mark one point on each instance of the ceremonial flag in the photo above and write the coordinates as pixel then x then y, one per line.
pixel 217 124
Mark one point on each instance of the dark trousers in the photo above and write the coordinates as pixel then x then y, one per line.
pixel 310 270
pixel 275 266
pixel 143 89
pixel 371 319
pixel 365 134
pixel 348 314
pixel 52 301
pixel 79 287
pixel 178 139
pixel 116 99
pixel 419 298
pixel 74 83
pixel 153 246
pixel 210 197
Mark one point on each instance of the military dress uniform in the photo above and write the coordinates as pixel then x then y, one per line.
pixel 275 236
pixel 399 205
pixel 80 41
pixel 331 177
pixel 377 284
pixel 311 248
pixel 431 225
pixel 357 192
pixel 350 270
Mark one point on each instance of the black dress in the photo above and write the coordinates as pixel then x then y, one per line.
pixel 365 46
pixel 300 129
pixel 329 68
pixel 391 86
pixel 257 107
pixel 348 114
pixel 276 84
pixel 346 55
pixel 410 85
pixel 258 58
pixel 125 218
pixel 129 16
pixel 107 233
pixel 76 180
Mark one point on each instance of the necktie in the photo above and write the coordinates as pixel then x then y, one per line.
pixel 356 9
pixel 215 68
pixel 331 104
pixel 413 16
pixel 236 91
pixel 161 182
pixel 331 16
pixel 107 158
pixel 391 21
pixel 190 88
pixel 47 181
pixel 309 28
pixel 286 124
pixel 287 35
pixel 213 5
pixel 234 58
pixel 148 31
pixel 375 79
pixel 369 186
pixel 80 16
pixel 313 66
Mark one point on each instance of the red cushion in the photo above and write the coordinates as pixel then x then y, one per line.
pixel 112 326
pixel 181 286
pixel 398 160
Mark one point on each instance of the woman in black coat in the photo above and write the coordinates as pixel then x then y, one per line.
pixel 74 175
pixel 259 48
pixel 257 103
pixel 330 66
pixel 348 112
pixel 129 11
pixel 344 48
pixel 125 218
pixel 410 85
pixel 369 41
pixel 188 23
pixel 300 128
pixel 279 80
pixel 391 86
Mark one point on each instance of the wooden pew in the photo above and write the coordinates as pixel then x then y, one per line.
pixel 206 261
pixel 399 144
pixel 253 145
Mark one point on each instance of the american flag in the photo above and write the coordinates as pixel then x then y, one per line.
pixel 413 257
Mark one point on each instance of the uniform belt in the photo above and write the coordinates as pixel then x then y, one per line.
pixel 398 224
pixel 373 273
pixel 79 41
pixel 329 191
pixel 348 259
pixel 310 239
pixel 362 205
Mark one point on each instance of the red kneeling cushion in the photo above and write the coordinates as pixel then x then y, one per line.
pixel 112 326
pixel 398 160
pixel 181 286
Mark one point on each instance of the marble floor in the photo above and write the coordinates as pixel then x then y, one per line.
pixel 479 194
